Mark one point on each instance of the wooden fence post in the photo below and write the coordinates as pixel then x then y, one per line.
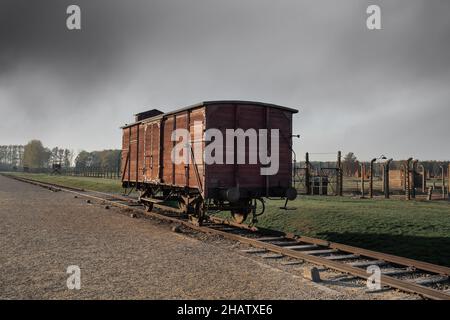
pixel 371 178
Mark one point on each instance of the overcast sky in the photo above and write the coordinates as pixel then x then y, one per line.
pixel 370 92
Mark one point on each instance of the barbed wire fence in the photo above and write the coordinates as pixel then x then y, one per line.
pixel 328 173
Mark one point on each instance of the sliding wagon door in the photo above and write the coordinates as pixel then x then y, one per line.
pixel 191 175
pixel 151 154
pixel 196 172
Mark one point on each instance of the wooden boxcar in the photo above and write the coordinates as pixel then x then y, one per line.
pixel 196 185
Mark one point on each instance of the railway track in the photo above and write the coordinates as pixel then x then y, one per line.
pixel 422 278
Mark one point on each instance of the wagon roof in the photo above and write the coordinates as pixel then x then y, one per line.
pixel 206 103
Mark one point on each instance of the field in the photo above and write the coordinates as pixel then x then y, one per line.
pixel 89 183
pixel 418 230
pixel 414 229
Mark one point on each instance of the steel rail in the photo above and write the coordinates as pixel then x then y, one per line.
pixel 386 280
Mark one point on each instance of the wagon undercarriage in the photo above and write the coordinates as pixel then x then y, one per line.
pixel 188 201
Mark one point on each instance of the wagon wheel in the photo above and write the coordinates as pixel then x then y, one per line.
pixel 183 204
pixel 199 213
pixel 200 210
pixel 239 215
pixel 148 206
pixel 183 207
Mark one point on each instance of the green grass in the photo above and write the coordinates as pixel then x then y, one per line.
pixel 414 229
pixel 418 230
pixel 97 184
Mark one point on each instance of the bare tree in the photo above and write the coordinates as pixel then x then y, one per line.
pixel 350 164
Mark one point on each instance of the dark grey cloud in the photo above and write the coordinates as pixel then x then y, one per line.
pixel 370 92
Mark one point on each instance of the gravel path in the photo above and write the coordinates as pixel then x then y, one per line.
pixel 43 232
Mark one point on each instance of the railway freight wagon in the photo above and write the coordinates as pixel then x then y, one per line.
pixel 202 157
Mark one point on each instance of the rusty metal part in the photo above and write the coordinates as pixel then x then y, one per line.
pixel 147 147
pixel 235 232
pixel 239 217
pixel 386 280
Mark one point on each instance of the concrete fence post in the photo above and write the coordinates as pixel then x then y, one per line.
pixel 413 178
pixel 386 178
pixel 408 179
pixel 340 185
pixel 424 178
pixel 430 193
pixel 307 174
pixel 371 178
pixel 363 173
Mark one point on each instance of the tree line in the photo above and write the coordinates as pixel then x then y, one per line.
pixel 11 156
pixel 108 159
pixel 34 155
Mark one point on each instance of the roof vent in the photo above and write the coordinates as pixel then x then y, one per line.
pixel 147 114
